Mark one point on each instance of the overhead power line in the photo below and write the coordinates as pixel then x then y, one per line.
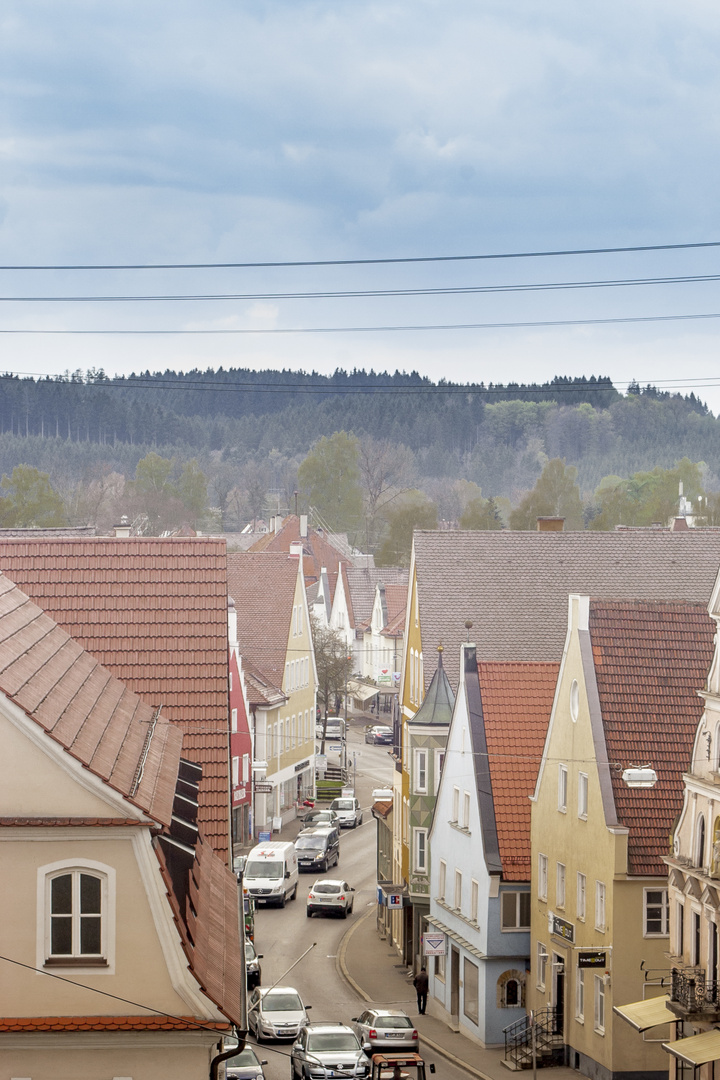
pixel 365 262
pixel 226 331
pixel 351 294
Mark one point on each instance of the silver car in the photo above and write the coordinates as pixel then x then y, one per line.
pixel 276 1013
pixel 324 1051
pixel 386 1030
pixel 244 1066
pixel 348 810
pixel 330 895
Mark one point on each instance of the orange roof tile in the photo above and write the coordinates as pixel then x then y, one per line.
pixel 84 708
pixel 154 612
pixel 107 1023
pixel 650 662
pixel 517 701
pixel 262 584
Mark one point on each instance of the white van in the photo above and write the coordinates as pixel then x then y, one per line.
pixel 271 873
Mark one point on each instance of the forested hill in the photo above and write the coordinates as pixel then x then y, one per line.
pixel 494 435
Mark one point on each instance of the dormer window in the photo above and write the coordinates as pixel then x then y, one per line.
pixel 77 901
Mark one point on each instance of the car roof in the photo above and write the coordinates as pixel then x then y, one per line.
pixel 387 1012
pixel 277 990
pixel 328 1025
pixel 329 881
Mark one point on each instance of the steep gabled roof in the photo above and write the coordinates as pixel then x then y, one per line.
pixel 318 549
pixel 362 582
pixel 516 705
pixel 154 613
pixel 84 709
pixel 513 586
pixel 263 587
pixel 650 661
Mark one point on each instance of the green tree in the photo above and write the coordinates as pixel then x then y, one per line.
pixel 479 514
pixel 413 511
pixel 28 499
pixel 153 497
pixel 646 498
pixel 192 488
pixel 333 661
pixel 556 494
pixel 329 477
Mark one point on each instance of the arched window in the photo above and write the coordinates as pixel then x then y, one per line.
pixel 76 902
pixel 512 993
pixel 511 990
pixel 700 841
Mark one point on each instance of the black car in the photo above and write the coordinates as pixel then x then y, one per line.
pixel 253 971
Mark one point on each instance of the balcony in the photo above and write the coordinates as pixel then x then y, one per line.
pixel 691 995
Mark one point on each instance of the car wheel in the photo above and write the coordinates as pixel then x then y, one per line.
pixel 281 901
pixel 350 909
pixel 309 913
pixel 344 913
pixel 294 892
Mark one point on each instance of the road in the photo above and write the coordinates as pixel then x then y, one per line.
pixel 282 935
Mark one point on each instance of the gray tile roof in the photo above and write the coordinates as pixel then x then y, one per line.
pixel 513 586
pixel 362 582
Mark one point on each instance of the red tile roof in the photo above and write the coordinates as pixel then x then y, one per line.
pixel 517 701
pixel 262 584
pixel 650 662
pixel 154 612
pixel 513 586
pixel 106 1023
pixel 318 552
pixel 84 708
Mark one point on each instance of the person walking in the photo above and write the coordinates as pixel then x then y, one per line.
pixel 420 982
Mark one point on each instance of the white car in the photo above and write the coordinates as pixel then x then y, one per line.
pixel 329 895
pixel 276 1013
pixel 348 810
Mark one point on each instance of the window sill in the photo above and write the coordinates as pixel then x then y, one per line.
pixel 76 961
pixel 464 829
pixel 514 930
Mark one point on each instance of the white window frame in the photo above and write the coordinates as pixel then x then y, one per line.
pixel 542 877
pixel 457 892
pixel 474 900
pixel 517 925
pixel 439 761
pixel 580 995
pixel 233 719
pixel 562 788
pixel 106 963
pixel 420 772
pixel 664 906
pixel 420 851
pixel 600 901
pixel 583 796
pixel 442 879
pixel 599 1010
pixel 455 808
pixel 246 769
pixel 560 885
pixel 542 957
pixel 466 810
pixel 581 896
pixel 236 772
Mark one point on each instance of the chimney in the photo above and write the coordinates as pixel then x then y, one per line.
pixel 303 525
pixel 232 622
pixel 123 529
pixel 295 549
pixel 550 524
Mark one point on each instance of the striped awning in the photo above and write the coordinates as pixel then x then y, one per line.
pixel 650 1013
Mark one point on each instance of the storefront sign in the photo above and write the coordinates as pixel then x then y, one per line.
pixel 434 945
pixel 560 928
pixel 302 765
pixel 592 960
pixel 263 787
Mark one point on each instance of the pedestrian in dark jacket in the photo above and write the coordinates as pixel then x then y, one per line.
pixel 420 982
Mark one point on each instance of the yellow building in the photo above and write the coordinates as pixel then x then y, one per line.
pixel 274 640
pixel 626 696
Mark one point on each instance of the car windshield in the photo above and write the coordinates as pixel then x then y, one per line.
pixel 309 843
pixel 343 804
pixel 332 1040
pixel 326 887
pixel 249 950
pixel 258 868
pixel 393 1022
pixel 245 1057
pixel 282 1002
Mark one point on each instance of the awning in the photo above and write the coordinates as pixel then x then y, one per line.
pixel 697 1049
pixel 646 1014
pixel 362 692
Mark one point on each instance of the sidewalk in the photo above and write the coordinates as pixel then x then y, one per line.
pixel 372 967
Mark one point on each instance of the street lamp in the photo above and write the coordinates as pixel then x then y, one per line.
pixel 640 776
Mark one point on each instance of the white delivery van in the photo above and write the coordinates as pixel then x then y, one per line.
pixel 271 873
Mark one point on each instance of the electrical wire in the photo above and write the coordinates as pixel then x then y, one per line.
pixel 459 290
pixel 264 331
pixel 366 262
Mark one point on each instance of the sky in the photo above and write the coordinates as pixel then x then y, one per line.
pixel 305 131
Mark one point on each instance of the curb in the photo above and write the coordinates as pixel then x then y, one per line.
pixel 342 969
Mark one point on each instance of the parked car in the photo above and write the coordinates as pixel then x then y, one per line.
pixel 327 1050
pixel 244 1066
pixel 330 895
pixel 348 810
pixel 334 730
pixel 253 971
pixel 320 817
pixel 318 848
pixel 276 1013
pixel 271 873
pixel 379 734
pixel 386 1030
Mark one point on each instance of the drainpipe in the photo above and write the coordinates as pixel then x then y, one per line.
pixel 219 1058
pixel 239 1034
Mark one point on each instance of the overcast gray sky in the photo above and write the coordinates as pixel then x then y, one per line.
pixel 136 132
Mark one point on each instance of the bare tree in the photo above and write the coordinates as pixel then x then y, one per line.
pixel 386 471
